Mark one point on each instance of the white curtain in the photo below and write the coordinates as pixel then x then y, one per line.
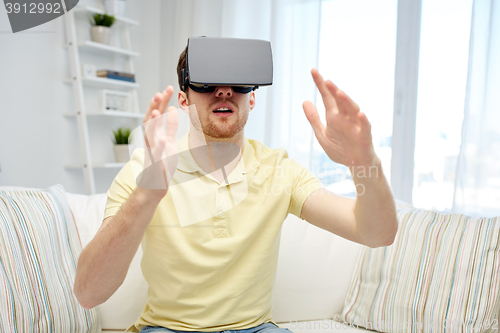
pixel 295 38
pixel 292 26
pixel 477 182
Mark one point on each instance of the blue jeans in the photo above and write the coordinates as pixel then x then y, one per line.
pixel 266 327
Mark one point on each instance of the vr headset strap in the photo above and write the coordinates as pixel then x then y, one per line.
pixel 183 79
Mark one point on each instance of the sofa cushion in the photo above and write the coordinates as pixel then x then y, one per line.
pixel 315 268
pixel 123 308
pixel 322 326
pixel 39 247
pixel 442 270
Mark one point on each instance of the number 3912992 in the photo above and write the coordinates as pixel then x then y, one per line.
pixel 33 8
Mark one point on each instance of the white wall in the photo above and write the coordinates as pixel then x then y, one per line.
pixel 36 139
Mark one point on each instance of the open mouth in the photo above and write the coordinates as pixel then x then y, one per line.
pixel 223 110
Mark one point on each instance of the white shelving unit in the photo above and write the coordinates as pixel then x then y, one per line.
pixel 101 48
pixel 78 82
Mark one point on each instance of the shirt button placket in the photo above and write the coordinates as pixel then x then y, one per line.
pixel 219 224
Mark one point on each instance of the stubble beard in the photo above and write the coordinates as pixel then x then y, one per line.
pixel 224 128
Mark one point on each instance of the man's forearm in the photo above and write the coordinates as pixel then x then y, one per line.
pixel 104 262
pixel 375 209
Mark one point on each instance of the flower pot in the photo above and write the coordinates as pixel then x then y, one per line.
pixel 115 7
pixel 121 153
pixel 100 34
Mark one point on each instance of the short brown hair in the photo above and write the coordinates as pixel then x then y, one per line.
pixel 181 64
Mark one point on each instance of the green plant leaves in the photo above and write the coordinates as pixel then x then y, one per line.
pixel 121 136
pixel 102 19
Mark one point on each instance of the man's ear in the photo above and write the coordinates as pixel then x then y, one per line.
pixel 183 100
pixel 252 100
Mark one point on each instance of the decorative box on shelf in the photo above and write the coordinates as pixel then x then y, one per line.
pixel 112 100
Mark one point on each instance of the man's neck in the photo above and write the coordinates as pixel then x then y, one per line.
pixel 217 153
pixel 197 138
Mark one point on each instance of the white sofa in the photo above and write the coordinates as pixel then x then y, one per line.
pixel 315 268
pixel 321 278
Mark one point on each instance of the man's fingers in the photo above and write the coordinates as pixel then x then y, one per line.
pixel 155 101
pixel 366 127
pixel 158 121
pixel 159 145
pixel 313 117
pixel 172 124
pixel 147 124
pixel 153 104
pixel 166 95
pixel 332 87
pixel 346 105
pixel 327 96
pixel 159 102
pixel 334 90
pixel 151 126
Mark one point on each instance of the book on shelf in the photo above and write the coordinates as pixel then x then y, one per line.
pixel 116 75
pixel 108 72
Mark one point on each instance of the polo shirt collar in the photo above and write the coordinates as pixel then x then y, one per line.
pixel 247 163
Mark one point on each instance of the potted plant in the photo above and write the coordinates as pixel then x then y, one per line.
pixel 100 31
pixel 121 138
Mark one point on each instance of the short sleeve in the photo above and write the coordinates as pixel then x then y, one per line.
pixel 124 183
pixel 303 184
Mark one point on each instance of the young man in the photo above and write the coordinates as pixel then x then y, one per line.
pixel 210 235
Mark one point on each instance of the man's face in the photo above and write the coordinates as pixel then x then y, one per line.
pixel 222 114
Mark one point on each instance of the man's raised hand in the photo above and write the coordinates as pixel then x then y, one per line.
pixel 346 138
pixel 160 159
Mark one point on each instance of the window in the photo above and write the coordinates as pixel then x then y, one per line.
pixel 444 49
pixel 357 52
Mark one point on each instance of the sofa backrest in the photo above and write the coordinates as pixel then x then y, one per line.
pixel 314 270
pixel 126 304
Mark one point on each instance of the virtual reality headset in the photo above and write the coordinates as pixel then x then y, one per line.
pixel 243 64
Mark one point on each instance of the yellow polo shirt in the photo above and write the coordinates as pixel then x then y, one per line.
pixel 210 251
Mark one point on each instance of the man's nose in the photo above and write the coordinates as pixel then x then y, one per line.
pixel 224 91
